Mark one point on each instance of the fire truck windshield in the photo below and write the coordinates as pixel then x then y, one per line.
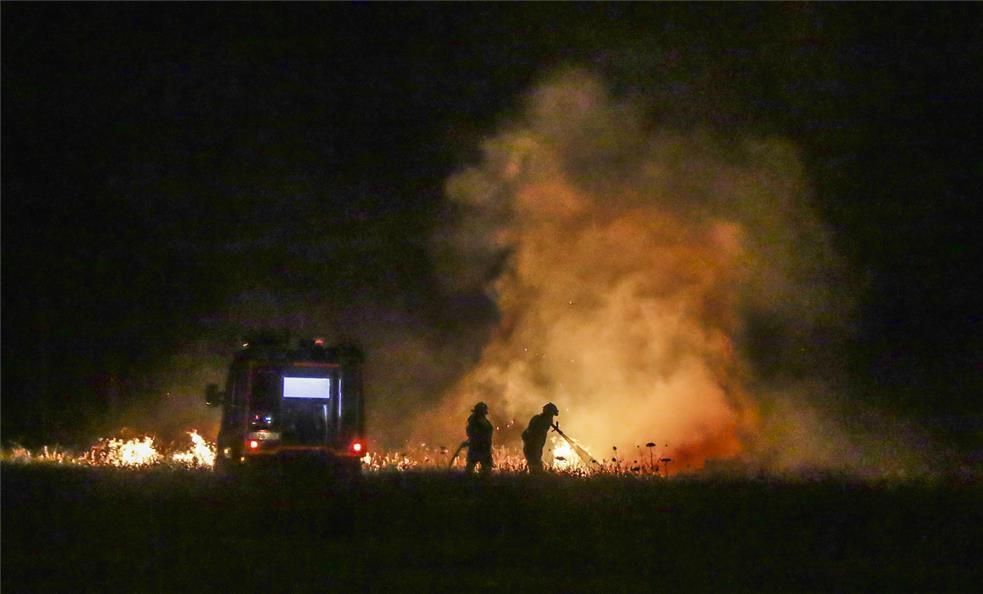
pixel 266 390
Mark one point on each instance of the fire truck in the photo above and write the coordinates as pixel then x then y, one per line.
pixel 281 403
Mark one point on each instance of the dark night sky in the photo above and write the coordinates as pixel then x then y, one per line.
pixel 161 160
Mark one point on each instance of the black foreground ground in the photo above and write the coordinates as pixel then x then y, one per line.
pixel 77 529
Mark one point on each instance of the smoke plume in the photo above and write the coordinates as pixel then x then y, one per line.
pixel 656 284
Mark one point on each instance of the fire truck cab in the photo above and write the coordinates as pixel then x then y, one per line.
pixel 281 403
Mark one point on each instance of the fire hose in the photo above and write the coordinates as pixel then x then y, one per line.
pixel 463 445
pixel 584 454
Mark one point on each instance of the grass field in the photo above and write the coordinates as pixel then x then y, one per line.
pixel 165 530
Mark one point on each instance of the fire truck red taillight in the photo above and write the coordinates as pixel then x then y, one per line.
pixel 253 444
pixel 357 447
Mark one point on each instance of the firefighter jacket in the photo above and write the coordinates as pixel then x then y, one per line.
pixel 534 437
pixel 479 433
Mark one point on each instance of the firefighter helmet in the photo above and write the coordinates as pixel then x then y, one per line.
pixel 481 408
pixel 551 409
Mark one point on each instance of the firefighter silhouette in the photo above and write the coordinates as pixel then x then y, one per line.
pixel 479 439
pixel 534 437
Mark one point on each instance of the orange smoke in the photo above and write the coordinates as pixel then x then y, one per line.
pixel 632 256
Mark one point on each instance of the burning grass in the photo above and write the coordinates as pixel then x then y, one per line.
pixel 560 457
pixel 137 452
pixel 146 452
pixel 649 461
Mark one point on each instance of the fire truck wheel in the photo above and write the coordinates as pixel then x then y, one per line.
pixel 348 470
pixel 224 466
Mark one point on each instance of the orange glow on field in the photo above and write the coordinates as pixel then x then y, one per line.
pixel 643 461
pixel 143 452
